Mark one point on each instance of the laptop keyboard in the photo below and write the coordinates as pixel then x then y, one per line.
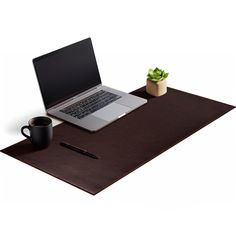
pixel 90 104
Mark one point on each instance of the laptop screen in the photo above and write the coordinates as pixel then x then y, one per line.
pixel 66 72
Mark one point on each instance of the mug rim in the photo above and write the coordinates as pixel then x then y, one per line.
pixel 40 117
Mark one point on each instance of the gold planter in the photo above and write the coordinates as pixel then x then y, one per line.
pixel 156 89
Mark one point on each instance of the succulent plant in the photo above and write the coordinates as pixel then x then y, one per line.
pixel 156 75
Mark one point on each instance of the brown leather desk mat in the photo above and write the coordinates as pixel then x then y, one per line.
pixel 124 145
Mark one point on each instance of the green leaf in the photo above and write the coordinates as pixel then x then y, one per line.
pixel 150 71
pixel 165 75
pixel 156 74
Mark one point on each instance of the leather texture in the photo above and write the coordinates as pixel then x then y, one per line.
pixel 124 145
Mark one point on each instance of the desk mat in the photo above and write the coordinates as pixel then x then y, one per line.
pixel 124 145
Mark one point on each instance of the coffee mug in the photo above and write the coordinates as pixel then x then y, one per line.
pixel 40 129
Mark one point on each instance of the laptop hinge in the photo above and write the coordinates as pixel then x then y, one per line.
pixel 72 98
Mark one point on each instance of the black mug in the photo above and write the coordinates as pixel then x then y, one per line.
pixel 40 129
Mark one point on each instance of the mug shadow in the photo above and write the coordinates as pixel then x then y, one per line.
pixel 15 126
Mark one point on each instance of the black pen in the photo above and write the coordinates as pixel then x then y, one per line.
pixel 79 150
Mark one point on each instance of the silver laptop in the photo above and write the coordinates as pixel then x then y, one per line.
pixel 72 90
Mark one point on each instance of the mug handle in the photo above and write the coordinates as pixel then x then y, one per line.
pixel 22 131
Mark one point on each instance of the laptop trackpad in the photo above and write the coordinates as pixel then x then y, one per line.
pixel 111 112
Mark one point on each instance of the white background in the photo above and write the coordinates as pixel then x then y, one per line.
pixel 188 190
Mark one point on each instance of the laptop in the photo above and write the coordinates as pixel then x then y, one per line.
pixel 72 89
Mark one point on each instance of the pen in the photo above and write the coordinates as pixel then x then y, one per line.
pixel 79 150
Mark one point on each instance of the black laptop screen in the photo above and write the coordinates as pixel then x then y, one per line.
pixel 66 72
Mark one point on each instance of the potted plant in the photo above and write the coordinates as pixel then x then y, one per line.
pixel 156 82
